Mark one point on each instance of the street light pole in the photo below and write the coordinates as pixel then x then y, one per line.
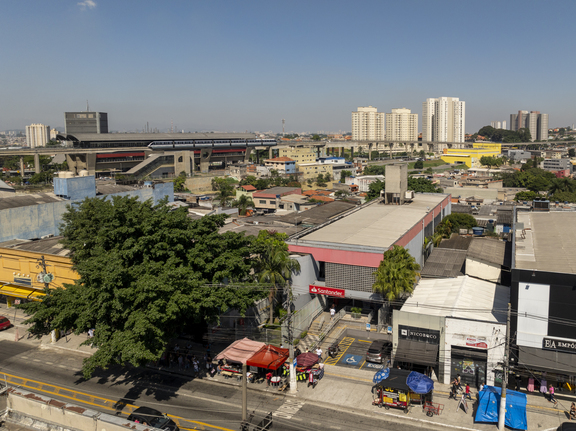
pixel 505 365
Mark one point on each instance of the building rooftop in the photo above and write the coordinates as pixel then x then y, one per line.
pixel 376 225
pixel 462 297
pixel 47 245
pixel 275 191
pixel 27 200
pixel 489 250
pixel 280 159
pixel 444 262
pixel 319 214
pixel 299 199
pixel 545 241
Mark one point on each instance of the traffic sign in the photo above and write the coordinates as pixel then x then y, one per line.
pixel 294 362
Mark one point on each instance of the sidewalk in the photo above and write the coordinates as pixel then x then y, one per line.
pixel 341 388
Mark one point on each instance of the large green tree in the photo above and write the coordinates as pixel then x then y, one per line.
pixel 146 274
pixel 454 222
pixel 396 273
pixel 274 264
pixel 243 203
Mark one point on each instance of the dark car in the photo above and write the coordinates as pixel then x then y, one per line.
pixel 4 323
pixel 567 426
pixel 378 351
pixel 153 418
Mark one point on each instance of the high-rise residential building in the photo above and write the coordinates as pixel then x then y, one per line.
pixel 53 134
pixel 443 120
pixel 401 125
pixel 37 135
pixel 86 122
pixel 368 124
pixel 534 121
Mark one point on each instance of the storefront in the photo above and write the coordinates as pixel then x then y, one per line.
pixel 417 348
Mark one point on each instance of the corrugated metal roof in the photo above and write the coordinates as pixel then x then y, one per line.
pixel 319 214
pixel 27 200
pixel 464 297
pixel 47 245
pixel 488 249
pixel 444 262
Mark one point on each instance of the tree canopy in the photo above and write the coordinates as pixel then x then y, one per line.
pixel 396 273
pixel 145 276
pixel 503 135
pixel 422 185
pixel 452 223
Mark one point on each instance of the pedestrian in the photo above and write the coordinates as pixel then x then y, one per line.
pixel 319 353
pixel 268 378
pixel 180 362
pixel 551 392
pixel 468 392
pixel 459 381
pixel 196 367
pixel 297 352
pixel 332 312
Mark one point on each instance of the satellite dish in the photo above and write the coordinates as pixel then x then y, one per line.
pixel 48 278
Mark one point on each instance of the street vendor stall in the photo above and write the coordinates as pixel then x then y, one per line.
pixel 400 388
pixel 269 357
pixel 307 364
pixel 236 354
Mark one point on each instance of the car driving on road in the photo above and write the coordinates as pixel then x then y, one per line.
pixel 154 418
pixel 4 323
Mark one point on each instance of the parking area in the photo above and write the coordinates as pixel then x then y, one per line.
pixel 353 354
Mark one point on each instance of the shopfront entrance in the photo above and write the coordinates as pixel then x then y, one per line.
pixel 470 364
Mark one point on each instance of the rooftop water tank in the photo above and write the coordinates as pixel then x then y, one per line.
pixel 477 230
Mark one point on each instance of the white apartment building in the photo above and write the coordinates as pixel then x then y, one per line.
pixel 401 125
pixel 443 120
pixel 368 124
pixel 37 135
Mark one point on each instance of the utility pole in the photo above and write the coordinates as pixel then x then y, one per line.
pixel 293 383
pixel 244 393
pixel 505 365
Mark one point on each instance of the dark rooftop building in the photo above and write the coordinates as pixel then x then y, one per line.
pixel 444 262
pixel 317 215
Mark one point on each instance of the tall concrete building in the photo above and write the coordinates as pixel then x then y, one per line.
pixel 498 124
pixel 443 120
pixel 37 135
pixel 534 121
pixel 368 124
pixel 86 122
pixel 401 125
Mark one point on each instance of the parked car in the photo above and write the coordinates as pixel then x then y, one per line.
pixel 153 418
pixel 378 351
pixel 4 323
pixel 567 426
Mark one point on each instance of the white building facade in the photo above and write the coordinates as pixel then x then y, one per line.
pixel 443 120
pixel 368 124
pixel 401 125
pixel 37 135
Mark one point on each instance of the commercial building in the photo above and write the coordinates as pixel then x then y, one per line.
pixel 310 171
pixel 339 164
pixel 268 200
pixel 363 181
pixel 468 156
pixel 37 135
pixel 557 165
pixel 298 154
pixel 401 125
pixel 443 120
pixel 343 253
pixel 534 121
pixel 368 124
pixel 86 122
pixel 455 326
pixel 543 297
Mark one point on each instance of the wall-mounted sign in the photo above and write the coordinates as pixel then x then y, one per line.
pixel 24 281
pixel 559 345
pixel 479 342
pixel 419 334
pixel 330 291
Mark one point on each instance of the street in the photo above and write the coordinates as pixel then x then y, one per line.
pixel 193 404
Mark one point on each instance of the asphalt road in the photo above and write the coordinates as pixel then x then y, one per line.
pixel 194 404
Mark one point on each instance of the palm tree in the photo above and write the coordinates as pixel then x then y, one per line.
pixel 561 185
pixel 396 274
pixel 275 266
pixel 243 203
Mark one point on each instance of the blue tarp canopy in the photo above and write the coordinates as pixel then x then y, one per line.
pixel 419 383
pixel 515 407
pixel 381 375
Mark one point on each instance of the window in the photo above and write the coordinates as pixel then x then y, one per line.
pixel 262 201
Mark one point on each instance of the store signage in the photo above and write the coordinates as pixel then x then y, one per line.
pixel 477 342
pixel 330 291
pixel 419 334
pixel 559 345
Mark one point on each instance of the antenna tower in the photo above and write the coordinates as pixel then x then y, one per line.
pixel 87 106
pixel 283 122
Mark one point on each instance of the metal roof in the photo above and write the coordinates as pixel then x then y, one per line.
pixel 318 214
pixel 444 262
pixel 47 245
pixel 489 250
pixel 27 200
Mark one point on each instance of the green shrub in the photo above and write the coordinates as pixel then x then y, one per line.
pixel 303 334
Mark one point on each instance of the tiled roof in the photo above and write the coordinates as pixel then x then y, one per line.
pixel 321 198
pixel 248 187
pixel 280 159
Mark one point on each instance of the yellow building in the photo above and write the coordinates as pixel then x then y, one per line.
pixel 471 156
pixel 21 273
pixel 298 154
pixel 488 145
pixel 311 170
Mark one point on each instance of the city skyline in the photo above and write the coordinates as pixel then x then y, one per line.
pixel 244 67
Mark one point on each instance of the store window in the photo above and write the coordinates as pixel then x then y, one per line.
pixel 470 364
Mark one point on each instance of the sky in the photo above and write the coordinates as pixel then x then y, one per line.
pixel 236 66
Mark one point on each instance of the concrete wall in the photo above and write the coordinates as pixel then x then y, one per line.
pixel 35 221
pixel 301 281
pixel 483 270
pixel 199 184
pixel 76 188
pixel 41 412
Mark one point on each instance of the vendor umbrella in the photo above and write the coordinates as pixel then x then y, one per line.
pixel 306 359
pixel 381 375
pixel 419 383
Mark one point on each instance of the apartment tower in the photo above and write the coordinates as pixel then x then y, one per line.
pixel 368 124
pixel 443 120
pixel 37 135
pixel 534 121
pixel 401 125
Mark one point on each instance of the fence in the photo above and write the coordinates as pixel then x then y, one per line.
pixel 302 319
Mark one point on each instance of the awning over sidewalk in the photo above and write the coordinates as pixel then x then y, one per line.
pixel 240 350
pixel 489 402
pixel 270 357
pixel 416 352
pixel 547 360
pixel 16 291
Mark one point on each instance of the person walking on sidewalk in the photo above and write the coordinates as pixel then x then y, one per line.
pixel 319 353
pixel 468 392
pixel 332 312
pixel 551 392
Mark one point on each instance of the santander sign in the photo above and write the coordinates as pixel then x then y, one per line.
pixel 330 291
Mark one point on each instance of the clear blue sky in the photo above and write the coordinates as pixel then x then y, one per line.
pixel 246 65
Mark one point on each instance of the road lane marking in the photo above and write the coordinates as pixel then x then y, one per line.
pixel 288 409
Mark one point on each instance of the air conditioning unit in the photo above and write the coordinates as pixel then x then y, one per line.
pixel 409 194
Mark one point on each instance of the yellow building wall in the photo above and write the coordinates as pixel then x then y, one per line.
pixel 298 154
pixel 470 157
pixel 488 145
pixel 311 172
pixel 16 264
